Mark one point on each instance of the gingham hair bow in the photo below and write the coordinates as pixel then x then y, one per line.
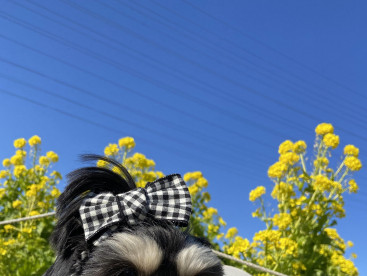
pixel 167 198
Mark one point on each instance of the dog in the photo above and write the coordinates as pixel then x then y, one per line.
pixel 108 227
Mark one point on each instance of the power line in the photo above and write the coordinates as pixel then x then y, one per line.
pixel 305 114
pixel 270 48
pixel 223 95
pixel 164 135
pixel 253 91
pixel 112 63
pixel 329 101
pixel 165 148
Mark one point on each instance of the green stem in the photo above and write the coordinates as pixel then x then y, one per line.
pixel 339 169
pixel 344 175
pixel 303 163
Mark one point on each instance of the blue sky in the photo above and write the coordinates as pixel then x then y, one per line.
pixel 212 85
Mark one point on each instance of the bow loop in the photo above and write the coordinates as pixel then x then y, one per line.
pixel 167 198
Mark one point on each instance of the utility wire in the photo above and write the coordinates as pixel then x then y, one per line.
pixel 253 91
pixel 310 99
pixel 224 112
pixel 181 75
pixel 104 60
pixel 166 87
pixel 68 85
pixel 294 125
pixel 170 150
pixel 309 68
pixel 127 89
pixel 162 135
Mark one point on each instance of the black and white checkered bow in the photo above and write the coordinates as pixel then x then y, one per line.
pixel 167 198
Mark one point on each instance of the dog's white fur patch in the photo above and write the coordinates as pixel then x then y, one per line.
pixel 194 259
pixel 141 251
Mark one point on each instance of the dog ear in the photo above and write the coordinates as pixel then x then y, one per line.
pixel 68 236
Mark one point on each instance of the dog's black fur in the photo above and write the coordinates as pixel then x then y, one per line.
pixel 177 252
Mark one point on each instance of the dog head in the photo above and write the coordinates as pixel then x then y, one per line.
pixel 148 246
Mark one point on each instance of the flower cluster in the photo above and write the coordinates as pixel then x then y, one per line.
pixel 299 238
pixel 28 188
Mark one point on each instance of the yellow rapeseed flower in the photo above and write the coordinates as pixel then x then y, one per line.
pixel 3 174
pixel 6 162
pixel 289 158
pixel 324 128
pixel 288 245
pixel 16 160
pixel 127 142
pixel 300 200
pixel 353 163
pixel 285 147
pixel 192 176
pixel 111 150
pixel 351 150
pixel 150 163
pixel 55 192
pixel 149 176
pixel 34 140
pixel 193 189
pixel 32 190
pixel 331 140
pixel 332 233
pixel 18 170
pixel 44 161
pixel 202 182
pixel 257 192
pixel 210 212
pixel 10 242
pixel 322 183
pixel 8 227
pixel 102 163
pixel 231 233
pixel 52 156
pixel 27 230
pixel 139 160
pixel 222 222
pixel 34 213
pixel 277 170
pixel 282 220
pixel 16 203
pixel 321 161
pixel 240 245
pixel 212 229
pixel 20 143
pixel 282 190
pixel 299 147
pixel 159 174
pixel 267 236
pixel 353 186
pixel 22 153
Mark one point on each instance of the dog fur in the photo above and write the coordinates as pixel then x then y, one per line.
pixel 151 247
